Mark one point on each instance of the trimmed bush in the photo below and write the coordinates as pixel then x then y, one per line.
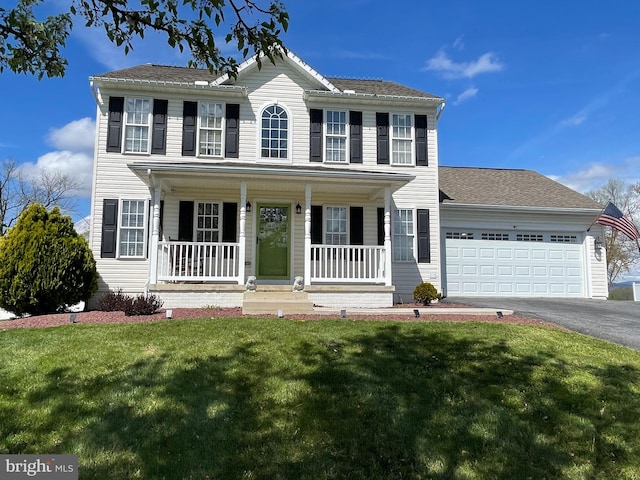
pixel 44 264
pixel 425 293
pixel 143 305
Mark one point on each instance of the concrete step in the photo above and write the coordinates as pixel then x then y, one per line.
pixel 258 303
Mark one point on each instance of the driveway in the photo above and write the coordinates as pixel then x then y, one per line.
pixel 614 321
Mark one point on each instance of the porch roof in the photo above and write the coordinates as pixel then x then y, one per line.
pixel 292 178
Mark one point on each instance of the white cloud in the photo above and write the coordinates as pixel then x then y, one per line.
pixel 458 43
pixel 486 63
pixel 77 165
pixel 466 95
pixel 78 135
pixel 574 121
pixel 597 174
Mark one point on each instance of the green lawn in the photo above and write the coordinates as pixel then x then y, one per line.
pixel 270 398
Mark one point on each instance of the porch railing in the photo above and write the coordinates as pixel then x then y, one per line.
pixel 347 264
pixel 198 261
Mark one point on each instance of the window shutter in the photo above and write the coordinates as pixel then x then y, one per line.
pixel 232 137
pixel 355 137
pixel 315 135
pixel 424 245
pixel 114 124
pixel 316 224
pixel 382 136
pixel 356 225
pixel 159 135
pixel 229 222
pixel 185 222
pixel 421 140
pixel 189 125
pixel 109 228
pixel 380 226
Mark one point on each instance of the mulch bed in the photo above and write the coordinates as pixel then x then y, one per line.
pixel 97 317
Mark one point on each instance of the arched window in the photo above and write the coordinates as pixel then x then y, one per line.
pixel 275 128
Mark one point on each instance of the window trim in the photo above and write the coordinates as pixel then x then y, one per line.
pixel 121 228
pixel 288 157
pixel 222 129
pixel 196 203
pixel 414 235
pixel 125 125
pixel 347 231
pixel 326 135
pixel 411 139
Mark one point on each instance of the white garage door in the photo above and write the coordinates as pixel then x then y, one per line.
pixel 514 268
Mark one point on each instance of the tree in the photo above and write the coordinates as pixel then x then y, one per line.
pixel 33 46
pixel 44 264
pixel 622 253
pixel 18 190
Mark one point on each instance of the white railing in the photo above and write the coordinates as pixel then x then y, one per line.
pixel 198 261
pixel 347 264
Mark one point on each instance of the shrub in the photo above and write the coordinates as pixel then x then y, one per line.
pixel 425 293
pixel 143 305
pixel 44 264
pixel 114 301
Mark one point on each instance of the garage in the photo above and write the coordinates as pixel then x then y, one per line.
pixel 514 264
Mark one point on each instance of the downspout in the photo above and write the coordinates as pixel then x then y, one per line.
pixel 439 112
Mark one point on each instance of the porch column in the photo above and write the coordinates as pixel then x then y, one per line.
pixel 155 237
pixel 387 237
pixel 242 241
pixel 307 234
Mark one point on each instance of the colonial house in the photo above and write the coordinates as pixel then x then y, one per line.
pixel 207 185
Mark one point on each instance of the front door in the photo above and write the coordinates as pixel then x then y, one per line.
pixel 272 250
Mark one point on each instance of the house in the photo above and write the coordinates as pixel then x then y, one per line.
pixel 204 182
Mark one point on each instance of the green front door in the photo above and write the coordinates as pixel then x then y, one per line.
pixel 273 242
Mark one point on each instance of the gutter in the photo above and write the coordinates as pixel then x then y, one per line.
pixel 518 208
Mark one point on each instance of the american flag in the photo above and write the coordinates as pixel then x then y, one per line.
pixel 611 216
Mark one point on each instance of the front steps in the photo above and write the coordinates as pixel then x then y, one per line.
pixel 270 301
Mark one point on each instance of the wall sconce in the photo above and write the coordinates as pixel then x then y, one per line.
pixel 247 207
pixel 597 243
pixel 298 209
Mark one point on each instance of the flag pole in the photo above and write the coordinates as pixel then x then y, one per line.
pixel 594 222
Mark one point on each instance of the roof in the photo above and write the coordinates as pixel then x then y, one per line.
pixel 169 74
pixel 507 187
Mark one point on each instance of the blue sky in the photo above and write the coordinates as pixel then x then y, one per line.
pixel 543 85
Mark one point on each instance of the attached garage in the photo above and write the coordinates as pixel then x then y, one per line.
pixel 514 267
pixel 517 233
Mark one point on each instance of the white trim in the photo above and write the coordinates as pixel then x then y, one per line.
pixel 145 228
pixel 272 160
pixel 411 139
pixel 223 126
pixel 325 134
pixel 125 117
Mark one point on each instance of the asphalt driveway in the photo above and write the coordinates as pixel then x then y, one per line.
pixel 614 321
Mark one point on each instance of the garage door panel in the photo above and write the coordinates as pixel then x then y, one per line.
pixel 484 267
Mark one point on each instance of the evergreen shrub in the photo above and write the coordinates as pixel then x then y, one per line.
pixel 425 293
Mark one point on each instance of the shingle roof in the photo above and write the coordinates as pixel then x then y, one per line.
pixel 164 73
pixel 503 187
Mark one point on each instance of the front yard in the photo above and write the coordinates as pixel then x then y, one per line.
pixel 274 398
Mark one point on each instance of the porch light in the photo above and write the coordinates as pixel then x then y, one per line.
pixel 248 207
pixel 597 243
pixel 298 209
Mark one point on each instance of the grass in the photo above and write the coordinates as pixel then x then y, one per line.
pixel 269 399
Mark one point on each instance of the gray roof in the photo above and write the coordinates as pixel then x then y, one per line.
pixel 164 73
pixel 507 187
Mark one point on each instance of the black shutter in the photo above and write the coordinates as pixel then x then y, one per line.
pixel 316 224
pixel 424 244
pixel 229 222
pixel 189 125
pixel 382 137
pixel 159 135
pixel 356 225
pixel 109 228
pixel 380 226
pixel 114 124
pixel 185 222
pixel 355 137
pixel 315 135
pixel 421 140
pixel 232 138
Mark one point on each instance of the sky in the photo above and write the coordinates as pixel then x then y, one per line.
pixel 546 85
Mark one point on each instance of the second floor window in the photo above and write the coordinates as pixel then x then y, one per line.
pixel 137 125
pixel 401 139
pixel 336 136
pixel 210 128
pixel 275 128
